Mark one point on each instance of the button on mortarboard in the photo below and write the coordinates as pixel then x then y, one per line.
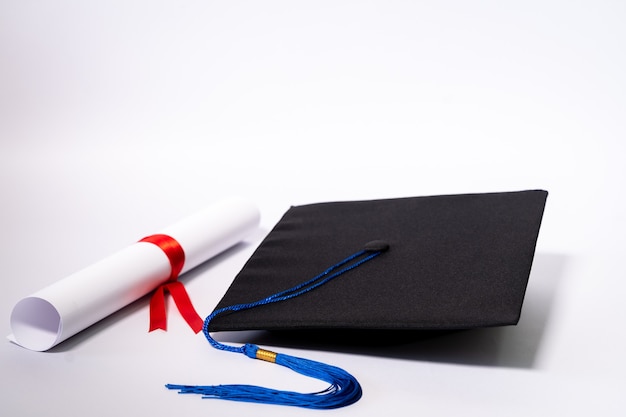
pixel 454 262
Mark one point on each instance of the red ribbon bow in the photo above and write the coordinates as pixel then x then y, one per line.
pixel 158 313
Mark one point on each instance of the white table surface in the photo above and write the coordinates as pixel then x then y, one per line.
pixel 118 118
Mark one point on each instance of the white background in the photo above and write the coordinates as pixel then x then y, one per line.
pixel 118 118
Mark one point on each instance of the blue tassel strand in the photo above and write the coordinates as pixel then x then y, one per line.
pixel 343 390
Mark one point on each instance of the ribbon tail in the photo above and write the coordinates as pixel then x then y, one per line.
pixel 158 313
pixel 185 307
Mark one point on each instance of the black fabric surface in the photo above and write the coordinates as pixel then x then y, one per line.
pixel 454 262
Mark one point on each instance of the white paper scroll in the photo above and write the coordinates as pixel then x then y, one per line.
pixel 53 314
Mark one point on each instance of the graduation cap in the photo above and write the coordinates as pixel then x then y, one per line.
pixel 421 263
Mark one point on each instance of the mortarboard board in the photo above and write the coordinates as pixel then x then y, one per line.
pixel 423 263
pixel 454 262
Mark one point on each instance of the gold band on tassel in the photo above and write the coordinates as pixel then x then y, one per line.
pixel 266 355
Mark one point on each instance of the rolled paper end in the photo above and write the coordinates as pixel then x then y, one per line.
pixel 36 324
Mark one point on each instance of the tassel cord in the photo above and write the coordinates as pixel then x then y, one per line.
pixel 292 292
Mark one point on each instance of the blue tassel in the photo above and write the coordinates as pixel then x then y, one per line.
pixel 343 390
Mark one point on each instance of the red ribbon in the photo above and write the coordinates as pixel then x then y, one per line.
pixel 158 312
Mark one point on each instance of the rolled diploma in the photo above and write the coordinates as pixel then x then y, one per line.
pixel 59 311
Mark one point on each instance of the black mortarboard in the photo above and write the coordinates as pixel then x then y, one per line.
pixel 423 263
pixel 453 262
